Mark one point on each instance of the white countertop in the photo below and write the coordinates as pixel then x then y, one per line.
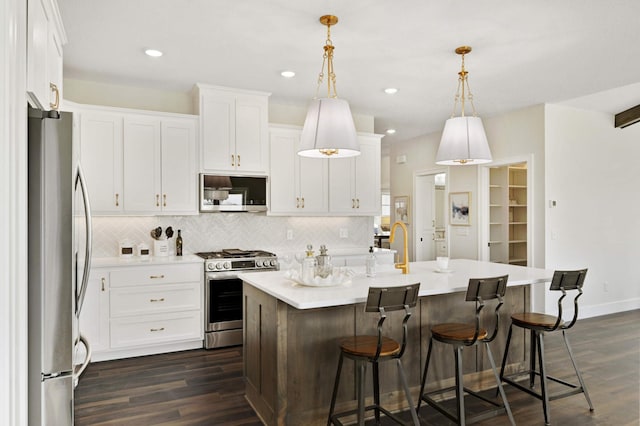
pixel 104 262
pixel 431 282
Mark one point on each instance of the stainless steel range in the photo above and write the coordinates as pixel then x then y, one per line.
pixel 223 292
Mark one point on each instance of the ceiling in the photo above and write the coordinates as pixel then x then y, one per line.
pixel 577 52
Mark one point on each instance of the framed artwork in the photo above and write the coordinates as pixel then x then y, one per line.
pixel 459 212
pixel 401 204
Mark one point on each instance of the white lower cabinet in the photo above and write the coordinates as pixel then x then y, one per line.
pixel 144 310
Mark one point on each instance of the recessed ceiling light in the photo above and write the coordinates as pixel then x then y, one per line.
pixel 288 74
pixel 390 90
pixel 153 53
pixel 391 131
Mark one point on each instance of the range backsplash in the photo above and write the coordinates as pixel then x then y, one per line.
pixel 248 231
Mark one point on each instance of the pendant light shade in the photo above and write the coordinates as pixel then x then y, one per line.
pixel 463 140
pixel 328 130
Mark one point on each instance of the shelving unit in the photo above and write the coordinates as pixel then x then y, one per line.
pixel 517 214
pixel 508 214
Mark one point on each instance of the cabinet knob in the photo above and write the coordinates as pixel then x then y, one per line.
pixel 56 103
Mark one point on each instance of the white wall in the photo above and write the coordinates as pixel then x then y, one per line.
pixel 592 173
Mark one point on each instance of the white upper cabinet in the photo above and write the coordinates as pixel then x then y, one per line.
pixel 45 39
pixel 234 130
pixel 139 163
pixel 354 182
pixel 101 140
pixel 298 185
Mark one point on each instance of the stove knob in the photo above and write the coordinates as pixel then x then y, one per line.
pixel 264 263
pixel 219 265
pixel 210 266
pixel 227 265
pixel 273 262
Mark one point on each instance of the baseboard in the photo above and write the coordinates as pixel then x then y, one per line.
pixel 609 308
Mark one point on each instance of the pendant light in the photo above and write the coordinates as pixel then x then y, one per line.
pixel 464 141
pixel 328 130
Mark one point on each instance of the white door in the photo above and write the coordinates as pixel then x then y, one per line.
pixel 425 218
pixel 179 178
pixel 141 164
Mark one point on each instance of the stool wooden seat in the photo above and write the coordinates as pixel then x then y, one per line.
pixel 376 349
pixel 460 335
pixel 538 324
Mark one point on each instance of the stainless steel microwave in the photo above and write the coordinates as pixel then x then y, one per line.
pixel 221 193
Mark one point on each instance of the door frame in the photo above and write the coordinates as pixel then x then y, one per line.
pixel 483 203
pixel 417 174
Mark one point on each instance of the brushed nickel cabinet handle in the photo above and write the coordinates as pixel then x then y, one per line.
pixel 117 200
pixel 54 89
pixel 157 200
pixel 156 329
pixel 164 200
pixel 157 300
pixel 102 280
pixel 156 276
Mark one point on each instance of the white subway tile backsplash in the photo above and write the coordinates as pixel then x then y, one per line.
pixel 218 231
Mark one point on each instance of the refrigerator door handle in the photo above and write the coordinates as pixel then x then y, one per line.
pixel 79 179
pixel 79 368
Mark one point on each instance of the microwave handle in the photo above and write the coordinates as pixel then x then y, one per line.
pixel 80 179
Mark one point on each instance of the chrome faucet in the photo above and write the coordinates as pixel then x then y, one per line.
pixel 404 266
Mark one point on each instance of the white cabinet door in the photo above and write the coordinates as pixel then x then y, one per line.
pixel 298 184
pixel 354 183
pixel 282 183
pixel 179 178
pixel 94 316
pixel 251 134
pixel 101 158
pixel 235 133
pixel 217 112
pixel 367 176
pixel 141 165
pixel 44 55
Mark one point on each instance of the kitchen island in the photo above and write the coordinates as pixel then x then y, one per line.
pixel 291 335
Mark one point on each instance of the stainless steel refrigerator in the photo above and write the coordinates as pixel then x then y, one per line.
pixel 59 261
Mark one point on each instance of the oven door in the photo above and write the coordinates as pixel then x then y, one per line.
pixel 223 301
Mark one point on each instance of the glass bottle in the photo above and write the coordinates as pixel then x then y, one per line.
pixel 323 260
pixel 309 266
pixel 179 244
pixel 371 263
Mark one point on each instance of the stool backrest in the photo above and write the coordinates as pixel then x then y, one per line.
pixel 563 281
pixel 480 290
pixel 392 298
pixel 385 299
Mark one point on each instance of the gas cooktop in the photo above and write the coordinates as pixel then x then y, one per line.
pixel 234 254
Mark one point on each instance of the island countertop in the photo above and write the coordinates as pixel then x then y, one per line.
pixel 432 282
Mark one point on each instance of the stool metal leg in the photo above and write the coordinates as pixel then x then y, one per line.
pixel 335 390
pixel 506 352
pixel 361 368
pixel 532 359
pixel 543 377
pixel 499 382
pixel 459 385
pixel 376 392
pixel 575 367
pixel 407 393
pixel 424 374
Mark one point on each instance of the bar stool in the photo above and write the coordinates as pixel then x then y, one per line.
pixel 376 349
pixel 461 335
pixel 538 325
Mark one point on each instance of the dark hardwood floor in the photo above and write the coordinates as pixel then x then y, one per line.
pixel 206 387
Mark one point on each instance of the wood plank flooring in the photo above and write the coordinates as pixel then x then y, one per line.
pixel 203 387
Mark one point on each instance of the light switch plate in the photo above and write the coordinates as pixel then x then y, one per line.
pixel 344 233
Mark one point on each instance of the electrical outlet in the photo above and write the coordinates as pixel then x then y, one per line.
pixel 344 233
pixel 605 287
pixel 289 234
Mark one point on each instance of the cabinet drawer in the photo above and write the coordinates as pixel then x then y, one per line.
pixel 158 328
pixel 157 274
pixel 159 298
